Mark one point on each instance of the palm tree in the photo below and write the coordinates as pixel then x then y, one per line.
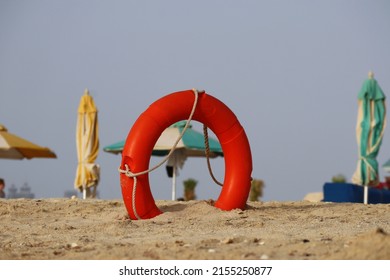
pixel 189 189
pixel 339 178
pixel 256 190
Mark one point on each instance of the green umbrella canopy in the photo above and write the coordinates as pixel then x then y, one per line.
pixel 115 148
pixel 192 142
pixel 369 131
pixel 386 166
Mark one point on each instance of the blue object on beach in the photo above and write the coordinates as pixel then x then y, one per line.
pixel 345 192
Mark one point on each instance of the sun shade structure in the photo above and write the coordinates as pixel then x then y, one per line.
pixel 87 143
pixel 15 147
pixel 191 145
pixel 386 166
pixel 370 128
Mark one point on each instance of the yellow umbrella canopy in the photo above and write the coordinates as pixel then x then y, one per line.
pixel 15 147
pixel 87 143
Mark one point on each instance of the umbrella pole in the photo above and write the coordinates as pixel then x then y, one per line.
pixel 83 164
pixel 84 187
pixel 365 194
pixel 174 182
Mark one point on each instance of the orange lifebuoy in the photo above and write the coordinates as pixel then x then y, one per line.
pixel 165 112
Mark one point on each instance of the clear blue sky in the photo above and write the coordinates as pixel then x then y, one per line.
pixel 289 70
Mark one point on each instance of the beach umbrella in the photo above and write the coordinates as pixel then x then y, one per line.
pixel 370 128
pixel 386 166
pixel 87 143
pixel 192 144
pixel 15 147
pixel 115 148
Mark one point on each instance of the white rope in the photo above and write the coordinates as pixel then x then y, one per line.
pixel 130 174
pixel 207 152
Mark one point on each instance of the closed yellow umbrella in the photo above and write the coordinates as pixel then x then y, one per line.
pixel 87 143
pixel 15 147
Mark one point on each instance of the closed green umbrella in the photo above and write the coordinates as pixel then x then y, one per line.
pixel 369 132
pixel 191 145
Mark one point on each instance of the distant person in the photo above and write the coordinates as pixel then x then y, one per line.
pixel 2 187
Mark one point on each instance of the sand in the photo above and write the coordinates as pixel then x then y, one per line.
pixel 72 229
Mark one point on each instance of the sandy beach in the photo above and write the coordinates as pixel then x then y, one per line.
pixel 69 229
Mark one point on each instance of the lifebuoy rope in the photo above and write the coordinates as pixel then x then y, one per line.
pixel 207 152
